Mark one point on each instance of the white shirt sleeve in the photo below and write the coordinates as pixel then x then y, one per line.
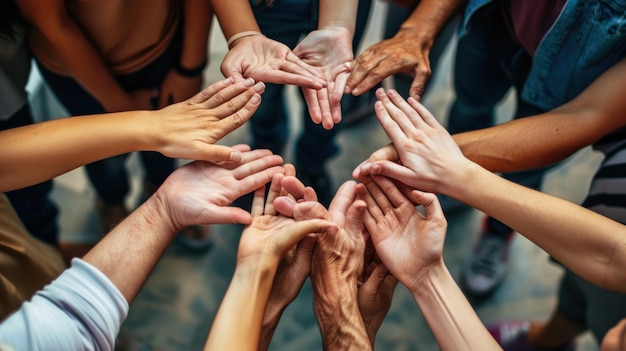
pixel 80 310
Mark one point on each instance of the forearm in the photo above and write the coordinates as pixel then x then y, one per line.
pixel 530 142
pixel 338 14
pixel 198 17
pixel 128 254
pixel 234 16
pixel 552 136
pixel 448 313
pixel 41 151
pixel 237 325
pixel 430 17
pixel 336 307
pixel 270 322
pixel 549 222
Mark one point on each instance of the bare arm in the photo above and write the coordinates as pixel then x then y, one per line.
pixel 550 137
pixel 189 129
pixel 185 80
pixel 235 16
pixel 407 51
pixel 338 14
pixel 410 245
pixel 432 161
pixel 51 21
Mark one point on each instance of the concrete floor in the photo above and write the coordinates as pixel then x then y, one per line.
pixel 175 309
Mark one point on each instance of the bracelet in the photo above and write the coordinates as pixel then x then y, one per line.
pixel 191 72
pixel 240 35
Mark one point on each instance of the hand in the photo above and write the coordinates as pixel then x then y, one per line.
pixel 615 338
pixel 295 266
pixel 330 51
pixel 430 158
pixel 406 52
pixel 199 192
pixel 271 235
pixel 267 60
pixel 407 242
pixel 189 129
pixel 376 289
pixel 176 88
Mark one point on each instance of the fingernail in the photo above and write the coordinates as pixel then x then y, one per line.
pixel 248 82
pixel 259 87
pixel 228 81
pixel 235 156
pixel 255 99
pixel 392 92
pixel 356 91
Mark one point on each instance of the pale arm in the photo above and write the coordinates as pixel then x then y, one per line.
pixel 551 137
pixel 338 14
pixel 549 222
pixel 189 129
pixel 51 20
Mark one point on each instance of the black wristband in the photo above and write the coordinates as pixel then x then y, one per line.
pixel 190 73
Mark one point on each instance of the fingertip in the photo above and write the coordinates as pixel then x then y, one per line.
pixel 234 156
pixel 228 81
pixel 255 99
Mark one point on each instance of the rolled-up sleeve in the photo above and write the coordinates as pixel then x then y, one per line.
pixel 80 310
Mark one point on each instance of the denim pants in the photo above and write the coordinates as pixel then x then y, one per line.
pixel 109 176
pixel 33 204
pixel 488 62
pixel 288 21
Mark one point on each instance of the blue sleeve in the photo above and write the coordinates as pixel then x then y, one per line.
pixel 80 310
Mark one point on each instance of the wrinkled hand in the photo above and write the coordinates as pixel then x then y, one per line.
pixel 269 61
pixel 199 192
pixel 176 88
pixel 406 53
pixel 330 51
pixel 189 129
pixel 428 155
pixel 407 242
pixel 376 288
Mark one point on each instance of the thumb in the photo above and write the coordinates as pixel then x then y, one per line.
pixel 355 218
pixel 418 86
pixel 215 153
pixel 385 153
pixel 289 236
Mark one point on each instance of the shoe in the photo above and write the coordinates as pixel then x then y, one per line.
pixel 512 335
pixel 487 266
pixel 321 183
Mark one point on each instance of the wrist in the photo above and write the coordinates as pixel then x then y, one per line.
pixel 158 215
pixel 421 285
pixel 240 35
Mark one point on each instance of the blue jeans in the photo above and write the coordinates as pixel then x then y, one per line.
pixel 488 63
pixel 32 204
pixel 109 176
pixel 287 21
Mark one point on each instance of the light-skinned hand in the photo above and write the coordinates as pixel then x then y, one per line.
pixel 200 192
pixel 407 241
pixel 189 129
pixel 269 61
pixel 330 51
pixel 428 155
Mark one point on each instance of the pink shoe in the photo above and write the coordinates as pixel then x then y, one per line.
pixel 512 336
